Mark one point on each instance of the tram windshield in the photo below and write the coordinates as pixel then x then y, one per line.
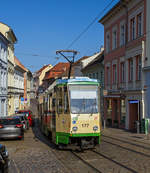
pixel 84 99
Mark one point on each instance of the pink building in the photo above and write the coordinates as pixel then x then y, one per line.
pixel 124 42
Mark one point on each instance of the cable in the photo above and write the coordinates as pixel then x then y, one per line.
pixel 93 21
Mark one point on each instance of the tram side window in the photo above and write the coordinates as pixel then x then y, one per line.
pixel 66 103
pixel 59 101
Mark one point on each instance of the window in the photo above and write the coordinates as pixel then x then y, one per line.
pixel 66 102
pixel 138 67
pixel 131 70
pixel 122 72
pixel 122 35
pixel 97 76
pixel 108 75
pixel 83 99
pixel 90 76
pixel 139 25
pixel 59 100
pixel 114 39
pixel 114 74
pixel 93 75
pixel 107 43
pixel 132 29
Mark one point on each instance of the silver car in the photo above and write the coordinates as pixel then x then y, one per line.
pixel 11 127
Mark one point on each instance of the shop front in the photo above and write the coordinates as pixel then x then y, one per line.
pixel 114 111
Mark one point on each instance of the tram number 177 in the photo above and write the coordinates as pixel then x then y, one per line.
pixel 85 125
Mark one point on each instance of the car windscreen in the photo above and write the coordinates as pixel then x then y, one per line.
pixel 12 121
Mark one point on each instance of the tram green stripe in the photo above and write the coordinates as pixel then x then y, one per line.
pixel 62 137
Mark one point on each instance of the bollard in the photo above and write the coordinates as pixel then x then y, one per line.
pixel 138 126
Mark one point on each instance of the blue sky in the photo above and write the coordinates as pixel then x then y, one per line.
pixel 44 26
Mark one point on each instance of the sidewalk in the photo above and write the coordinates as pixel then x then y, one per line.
pixel 126 135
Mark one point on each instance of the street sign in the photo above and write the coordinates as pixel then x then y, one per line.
pixel 134 101
pixel 22 98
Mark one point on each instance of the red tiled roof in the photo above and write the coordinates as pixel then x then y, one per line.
pixel 57 70
pixel 17 62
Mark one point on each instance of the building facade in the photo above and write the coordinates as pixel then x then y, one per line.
pixel 9 34
pixel 3 75
pixel 124 40
pixel 146 68
pixel 19 85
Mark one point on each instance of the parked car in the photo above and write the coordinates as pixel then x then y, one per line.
pixel 11 127
pixel 4 159
pixel 28 114
pixel 24 120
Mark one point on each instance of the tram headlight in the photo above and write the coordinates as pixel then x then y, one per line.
pixel 95 128
pixel 74 128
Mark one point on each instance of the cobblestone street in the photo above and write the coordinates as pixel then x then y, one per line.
pixel 119 152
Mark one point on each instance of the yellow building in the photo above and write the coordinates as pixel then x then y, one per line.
pixel 9 34
pixel 42 72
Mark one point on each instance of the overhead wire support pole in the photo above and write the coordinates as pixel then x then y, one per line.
pixel 70 61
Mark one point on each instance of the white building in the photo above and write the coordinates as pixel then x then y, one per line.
pixel 3 75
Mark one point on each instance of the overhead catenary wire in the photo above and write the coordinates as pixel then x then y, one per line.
pixel 89 25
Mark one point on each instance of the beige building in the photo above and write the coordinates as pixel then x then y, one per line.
pixel 9 34
pixel 39 76
pixel 19 85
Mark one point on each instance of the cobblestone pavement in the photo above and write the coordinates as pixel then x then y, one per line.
pixel 32 156
pixel 119 152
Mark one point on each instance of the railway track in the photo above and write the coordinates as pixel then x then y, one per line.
pixel 113 156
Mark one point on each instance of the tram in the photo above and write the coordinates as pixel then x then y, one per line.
pixel 69 112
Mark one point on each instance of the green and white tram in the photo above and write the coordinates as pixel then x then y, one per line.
pixel 69 112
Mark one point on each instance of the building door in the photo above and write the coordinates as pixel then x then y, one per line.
pixel 133 115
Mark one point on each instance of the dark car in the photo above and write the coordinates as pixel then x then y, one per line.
pixel 4 160
pixel 11 127
pixel 28 113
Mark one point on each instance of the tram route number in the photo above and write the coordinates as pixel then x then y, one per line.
pixel 85 125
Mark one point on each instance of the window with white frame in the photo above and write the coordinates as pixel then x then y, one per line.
pixel 139 25
pixel 132 22
pixel 122 35
pixel 107 42
pixel 114 39
pixel 122 72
